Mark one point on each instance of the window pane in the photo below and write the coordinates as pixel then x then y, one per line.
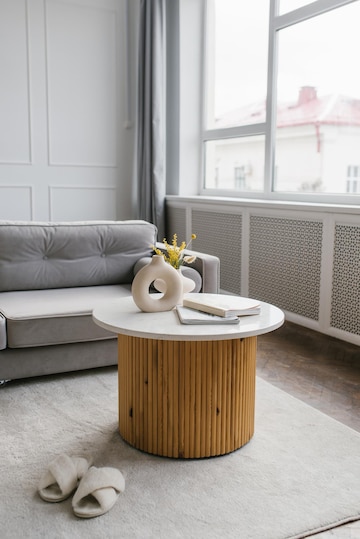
pixel 235 164
pixel 290 5
pixel 318 109
pixel 237 36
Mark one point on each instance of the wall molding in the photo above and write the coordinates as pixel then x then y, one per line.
pixel 12 197
pixel 74 209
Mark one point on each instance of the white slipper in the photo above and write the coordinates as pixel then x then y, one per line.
pixel 62 477
pixel 97 492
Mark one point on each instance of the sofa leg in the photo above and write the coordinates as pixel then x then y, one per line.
pixel 3 383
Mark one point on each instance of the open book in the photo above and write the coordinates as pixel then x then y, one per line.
pixel 192 316
pixel 222 304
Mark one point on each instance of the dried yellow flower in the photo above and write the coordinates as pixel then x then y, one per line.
pixel 175 253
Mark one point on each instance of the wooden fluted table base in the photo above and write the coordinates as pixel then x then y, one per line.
pixel 186 399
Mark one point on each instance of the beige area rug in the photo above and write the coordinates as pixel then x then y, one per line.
pixel 300 472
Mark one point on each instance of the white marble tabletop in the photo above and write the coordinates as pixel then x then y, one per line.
pixel 123 316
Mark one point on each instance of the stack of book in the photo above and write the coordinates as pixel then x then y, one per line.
pixel 216 309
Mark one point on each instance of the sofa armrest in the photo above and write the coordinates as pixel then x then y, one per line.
pixel 207 265
pixel 3 337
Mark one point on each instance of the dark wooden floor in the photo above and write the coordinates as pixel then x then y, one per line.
pixel 321 371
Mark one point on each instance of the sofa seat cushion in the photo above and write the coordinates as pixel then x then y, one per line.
pixel 56 316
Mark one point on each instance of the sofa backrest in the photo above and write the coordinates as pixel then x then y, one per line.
pixel 60 255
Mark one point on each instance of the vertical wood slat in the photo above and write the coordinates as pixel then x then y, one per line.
pixel 187 387
pixel 197 353
pixel 186 399
pixel 181 400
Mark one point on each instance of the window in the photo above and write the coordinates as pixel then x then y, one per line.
pixel 239 177
pixel 353 179
pixel 226 155
pixel 282 99
pixel 236 76
pixel 289 5
pixel 237 67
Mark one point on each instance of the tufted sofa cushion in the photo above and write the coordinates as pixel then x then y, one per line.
pixel 36 256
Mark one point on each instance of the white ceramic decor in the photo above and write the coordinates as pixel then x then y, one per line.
pixel 188 284
pixel 173 290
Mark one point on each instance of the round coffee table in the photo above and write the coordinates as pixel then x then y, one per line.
pixel 185 391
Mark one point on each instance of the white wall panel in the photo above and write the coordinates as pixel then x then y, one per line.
pixel 82 203
pixel 62 108
pixel 16 203
pixel 81 70
pixel 14 87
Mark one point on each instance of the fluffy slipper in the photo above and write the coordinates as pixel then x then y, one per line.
pixel 97 492
pixel 62 477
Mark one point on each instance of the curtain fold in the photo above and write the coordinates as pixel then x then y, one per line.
pixel 151 115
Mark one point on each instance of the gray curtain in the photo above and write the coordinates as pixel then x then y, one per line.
pixel 151 117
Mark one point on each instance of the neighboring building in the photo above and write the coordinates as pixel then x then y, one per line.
pixel 317 147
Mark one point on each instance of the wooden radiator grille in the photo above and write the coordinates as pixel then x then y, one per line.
pixel 176 224
pixel 285 263
pixel 345 299
pixel 220 234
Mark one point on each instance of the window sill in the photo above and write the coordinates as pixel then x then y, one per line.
pixel 315 207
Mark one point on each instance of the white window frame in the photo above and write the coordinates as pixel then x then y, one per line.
pixel 268 128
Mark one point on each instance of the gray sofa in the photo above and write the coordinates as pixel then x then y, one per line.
pixel 52 275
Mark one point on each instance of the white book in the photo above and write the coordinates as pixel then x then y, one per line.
pixel 192 316
pixel 222 305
